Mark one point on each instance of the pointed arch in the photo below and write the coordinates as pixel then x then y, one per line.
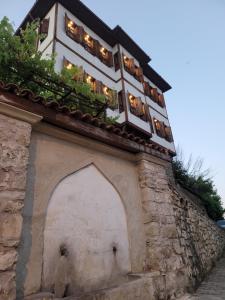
pixel 86 213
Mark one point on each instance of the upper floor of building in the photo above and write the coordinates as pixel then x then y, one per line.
pixel 111 62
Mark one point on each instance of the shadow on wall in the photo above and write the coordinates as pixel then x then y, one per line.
pixel 26 237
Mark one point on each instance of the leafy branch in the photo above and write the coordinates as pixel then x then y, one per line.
pixel 23 65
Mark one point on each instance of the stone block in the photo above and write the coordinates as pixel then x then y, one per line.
pixel 12 179
pixel 7 286
pixel 14 130
pixel 7 259
pixel 10 229
pixel 169 231
pixel 9 206
pixel 152 229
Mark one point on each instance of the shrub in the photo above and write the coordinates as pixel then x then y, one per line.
pixel 200 183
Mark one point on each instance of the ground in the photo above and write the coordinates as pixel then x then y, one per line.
pixel 213 288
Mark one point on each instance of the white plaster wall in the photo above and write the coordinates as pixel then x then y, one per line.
pixel 156 107
pixel 48 51
pixel 138 122
pixel 61 35
pixel 49 38
pixel 86 214
pixel 132 90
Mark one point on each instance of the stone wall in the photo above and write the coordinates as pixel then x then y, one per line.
pixel 182 243
pixel 173 243
pixel 201 239
pixel 14 142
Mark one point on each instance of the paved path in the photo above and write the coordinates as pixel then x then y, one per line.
pixel 213 288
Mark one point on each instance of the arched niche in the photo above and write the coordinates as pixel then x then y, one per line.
pixel 86 215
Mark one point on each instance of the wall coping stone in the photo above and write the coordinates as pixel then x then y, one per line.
pixel 19 114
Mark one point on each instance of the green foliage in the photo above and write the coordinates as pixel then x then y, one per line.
pixel 201 184
pixel 22 64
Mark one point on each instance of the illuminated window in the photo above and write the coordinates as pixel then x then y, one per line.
pixel 106 91
pixel 92 82
pixel 104 52
pixel 89 41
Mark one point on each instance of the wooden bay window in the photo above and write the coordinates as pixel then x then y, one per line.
pixel 131 68
pixel 163 131
pixel 168 134
pixel 154 94
pixel 137 107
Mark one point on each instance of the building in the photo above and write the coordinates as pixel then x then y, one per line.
pixel 90 211
pixel 111 62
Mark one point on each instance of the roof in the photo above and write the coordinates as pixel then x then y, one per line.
pixel 111 36
pixel 156 78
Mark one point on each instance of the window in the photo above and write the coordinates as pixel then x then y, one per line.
pixel 79 74
pixel 43 29
pixel 96 85
pixel 73 31
pixel 154 94
pixel 129 65
pixel 159 128
pixel 163 131
pixel 169 135
pixel 92 82
pixel 120 101
pixel 161 100
pixel 111 96
pixel 137 107
pixel 139 74
pixel 132 69
pixel 78 34
pixel 89 43
pixel 106 56
pixel 116 61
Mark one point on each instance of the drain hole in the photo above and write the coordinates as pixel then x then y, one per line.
pixel 114 250
pixel 63 251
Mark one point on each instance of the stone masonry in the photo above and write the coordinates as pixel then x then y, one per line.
pixel 163 248
pixel 14 142
pixel 182 243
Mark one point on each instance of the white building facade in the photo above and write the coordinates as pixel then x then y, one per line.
pixel 112 63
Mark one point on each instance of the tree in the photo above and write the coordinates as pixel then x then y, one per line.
pixel 23 65
pixel 193 177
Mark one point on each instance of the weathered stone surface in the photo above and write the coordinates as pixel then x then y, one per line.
pixel 10 206
pixel 7 259
pixel 181 241
pixel 14 142
pixel 10 229
pixel 7 286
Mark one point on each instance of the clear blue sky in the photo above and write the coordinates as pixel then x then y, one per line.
pixel 186 41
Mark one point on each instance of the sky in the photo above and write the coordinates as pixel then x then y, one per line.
pixel 186 41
